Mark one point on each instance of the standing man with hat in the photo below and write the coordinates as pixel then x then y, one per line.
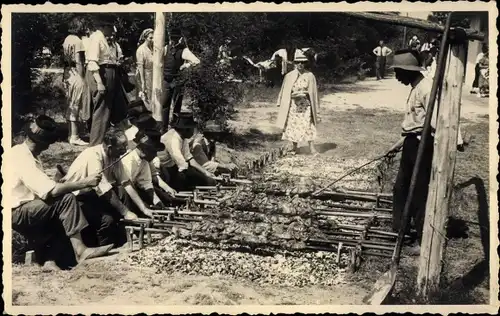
pixel 177 165
pixel 109 99
pixel 177 58
pixel 203 148
pixel 408 69
pixel 381 51
pixel 41 208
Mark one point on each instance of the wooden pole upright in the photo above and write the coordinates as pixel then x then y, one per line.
pixel 158 53
pixel 443 166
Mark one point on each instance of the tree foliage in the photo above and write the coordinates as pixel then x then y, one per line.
pixel 343 42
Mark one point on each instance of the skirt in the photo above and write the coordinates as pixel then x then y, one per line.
pixel 78 97
pixel 299 126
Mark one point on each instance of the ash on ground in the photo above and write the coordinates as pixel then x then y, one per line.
pixel 262 266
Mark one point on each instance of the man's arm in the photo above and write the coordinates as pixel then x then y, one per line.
pixel 132 193
pixel 93 57
pixel 189 57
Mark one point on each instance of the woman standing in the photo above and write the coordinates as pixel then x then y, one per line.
pixel 298 102
pixel 77 92
pixel 484 87
pixel 144 75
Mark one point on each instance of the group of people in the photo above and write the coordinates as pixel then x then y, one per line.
pixel 480 85
pixel 132 165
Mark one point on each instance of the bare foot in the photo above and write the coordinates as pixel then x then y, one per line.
pixel 50 266
pixel 90 253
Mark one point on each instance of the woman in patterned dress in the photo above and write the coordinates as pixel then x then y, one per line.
pixel 298 102
pixel 77 92
pixel 144 75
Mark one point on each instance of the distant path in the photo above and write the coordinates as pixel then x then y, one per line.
pixel 390 94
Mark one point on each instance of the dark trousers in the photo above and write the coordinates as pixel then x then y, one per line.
pixel 104 220
pixel 47 225
pixel 403 180
pixel 173 94
pixel 110 107
pixel 186 180
pixel 380 67
pixel 477 73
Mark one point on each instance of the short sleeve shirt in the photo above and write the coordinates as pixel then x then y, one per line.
pixel 29 182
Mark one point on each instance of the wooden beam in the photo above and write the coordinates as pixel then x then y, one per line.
pixel 158 48
pixel 443 166
pixel 411 22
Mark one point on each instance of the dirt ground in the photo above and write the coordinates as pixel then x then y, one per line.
pixel 358 121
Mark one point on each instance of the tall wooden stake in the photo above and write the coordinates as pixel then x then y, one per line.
pixel 159 43
pixel 443 166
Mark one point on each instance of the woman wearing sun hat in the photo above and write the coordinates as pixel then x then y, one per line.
pixel 298 102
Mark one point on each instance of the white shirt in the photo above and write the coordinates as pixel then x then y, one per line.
pixel 91 161
pixel 176 150
pixel 101 52
pixel 153 165
pixel 384 51
pixel 137 170
pixel 479 57
pixel 29 182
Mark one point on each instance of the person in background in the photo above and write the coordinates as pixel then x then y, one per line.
pixel 477 74
pixel 427 46
pixel 47 57
pixel 177 58
pixel 77 92
pixel 408 68
pixel 381 51
pixel 144 59
pixel 414 43
pixel 115 197
pixel 45 211
pixel 483 82
pixel 109 98
pixel 298 102
pixel 177 166
pixel 284 58
pixel 203 149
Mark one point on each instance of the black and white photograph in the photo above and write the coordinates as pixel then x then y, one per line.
pixel 323 157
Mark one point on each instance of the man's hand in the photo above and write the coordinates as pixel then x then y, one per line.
pixel 231 166
pixel 130 216
pixel 148 212
pixel 93 180
pixel 101 87
pixel 169 190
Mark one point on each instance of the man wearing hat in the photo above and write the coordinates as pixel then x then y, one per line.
pixel 408 69
pixel 109 99
pixel 137 165
pixel 140 119
pixel 203 147
pixel 177 58
pixel 177 166
pixel 43 210
pixel 115 197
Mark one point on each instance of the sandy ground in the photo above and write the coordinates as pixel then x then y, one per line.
pixel 110 281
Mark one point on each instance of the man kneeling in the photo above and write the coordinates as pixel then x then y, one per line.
pixel 110 200
pixel 45 211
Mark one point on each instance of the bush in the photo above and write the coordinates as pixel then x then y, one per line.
pixel 211 96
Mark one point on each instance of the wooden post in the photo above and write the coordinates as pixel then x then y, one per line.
pixel 443 166
pixel 159 43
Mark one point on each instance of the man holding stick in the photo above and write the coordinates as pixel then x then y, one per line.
pixel 110 200
pixel 45 211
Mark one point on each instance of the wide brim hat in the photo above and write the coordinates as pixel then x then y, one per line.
pixel 42 130
pixel 406 61
pixel 136 108
pixel 300 56
pixel 145 121
pixel 184 120
pixel 149 137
